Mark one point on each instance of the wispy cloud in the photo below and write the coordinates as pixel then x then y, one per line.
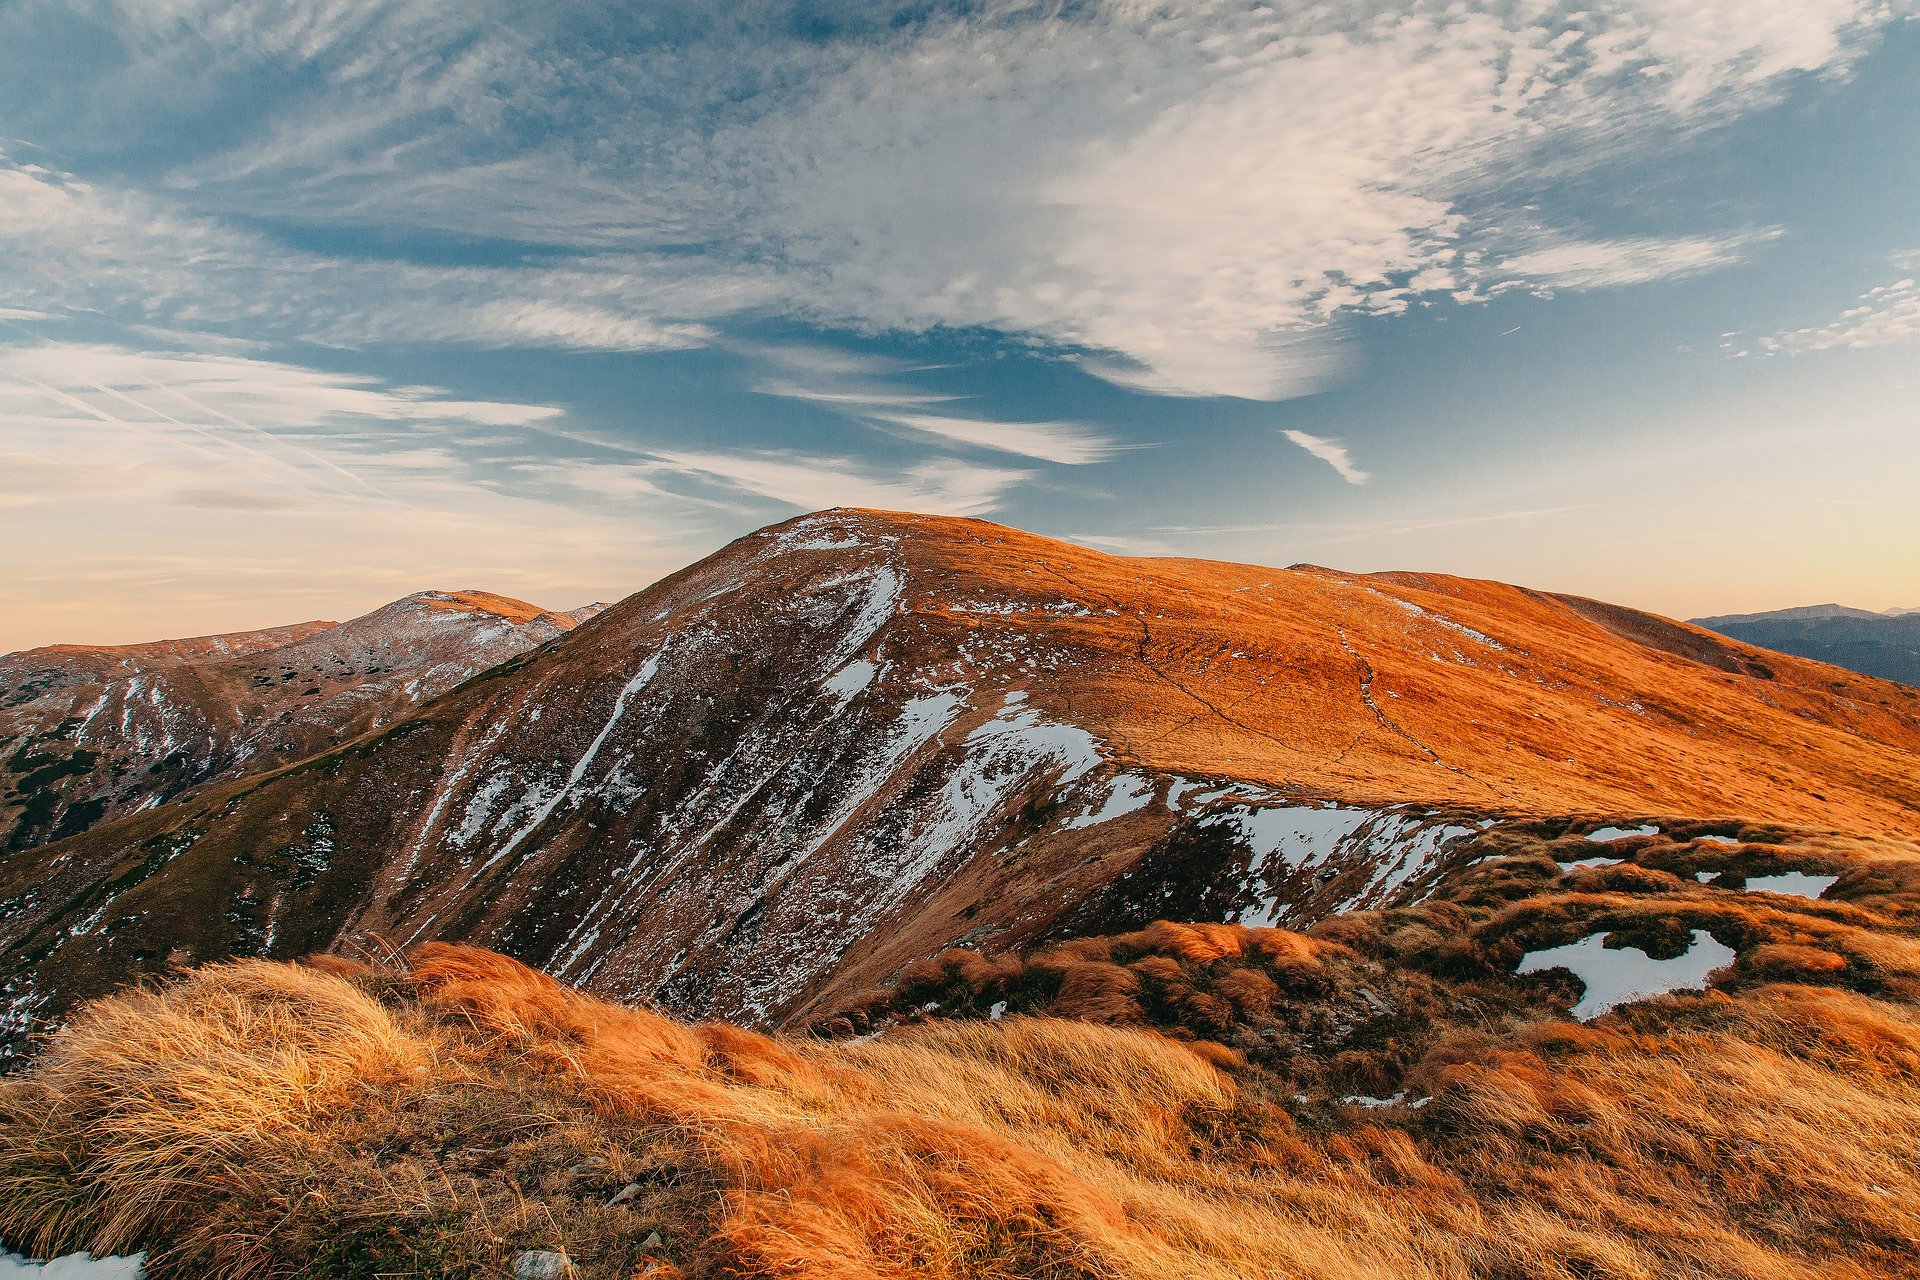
pixel 944 486
pixel 1066 442
pixel 1122 546
pixel 1886 315
pixel 854 385
pixel 1331 452
pixel 352 489
pixel 1185 198
pixel 1610 264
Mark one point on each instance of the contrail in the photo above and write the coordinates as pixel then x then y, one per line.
pixel 184 398
pixel 94 411
pixel 248 449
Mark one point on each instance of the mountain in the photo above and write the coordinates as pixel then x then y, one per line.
pixel 767 782
pixel 1886 645
pixel 95 733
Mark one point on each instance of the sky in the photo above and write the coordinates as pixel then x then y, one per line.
pixel 308 305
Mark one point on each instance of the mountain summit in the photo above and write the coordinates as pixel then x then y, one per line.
pixel 94 733
pixel 846 741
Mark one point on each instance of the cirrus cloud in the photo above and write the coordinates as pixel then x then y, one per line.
pixel 1184 198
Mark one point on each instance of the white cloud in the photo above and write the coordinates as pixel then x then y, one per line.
pixel 72 246
pixel 146 493
pixel 943 486
pixel 275 423
pixel 1887 315
pixel 1606 264
pixel 1331 452
pixel 1066 442
pixel 849 384
pixel 1185 196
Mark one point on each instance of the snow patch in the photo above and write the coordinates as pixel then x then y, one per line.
pixel 999 756
pixel 1127 794
pixel 849 680
pixel 1797 883
pixel 1599 860
pixel 1619 975
pixel 1292 838
pixel 1622 833
pixel 73 1266
pixel 546 808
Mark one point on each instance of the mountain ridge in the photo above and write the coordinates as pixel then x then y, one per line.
pixel 92 731
pixel 1886 644
pixel 848 740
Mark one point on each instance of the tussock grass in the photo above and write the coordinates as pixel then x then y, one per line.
pixel 1169 1103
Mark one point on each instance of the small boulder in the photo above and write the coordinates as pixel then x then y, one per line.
pixel 541 1264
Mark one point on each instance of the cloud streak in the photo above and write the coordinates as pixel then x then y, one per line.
pixel 943 486
pixel 1331 452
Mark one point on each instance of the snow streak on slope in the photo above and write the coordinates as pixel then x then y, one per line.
pixel 1297 847
pixel 545 811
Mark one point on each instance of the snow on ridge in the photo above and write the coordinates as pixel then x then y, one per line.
pixel 999 757
pixel 545 810
pixel 1619 975
pixel 1441 619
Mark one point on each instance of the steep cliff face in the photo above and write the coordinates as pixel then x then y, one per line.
pixel 92 734
pixel 846 741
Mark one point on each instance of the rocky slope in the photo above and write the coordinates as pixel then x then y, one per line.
pixel 94 733
pixel 845 742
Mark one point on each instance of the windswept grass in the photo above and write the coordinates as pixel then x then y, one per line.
pixel 1174 1104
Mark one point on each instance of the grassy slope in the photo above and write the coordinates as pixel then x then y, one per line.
pixel 1172 1105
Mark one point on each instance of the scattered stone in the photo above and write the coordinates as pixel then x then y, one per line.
pixel 625 1193
pixel 589 1165
pixel 541 1264
pixel 653 1241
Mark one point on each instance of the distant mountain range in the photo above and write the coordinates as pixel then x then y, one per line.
pixel 839 744
pixel 1876 644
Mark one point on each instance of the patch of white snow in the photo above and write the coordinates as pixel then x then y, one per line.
pixel 1619 975
pixel 1128 793
pixel 849 680
pixel 1622 833
pixel 73 1266
pixel 1797 883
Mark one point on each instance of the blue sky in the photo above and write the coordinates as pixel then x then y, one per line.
pixel 307 305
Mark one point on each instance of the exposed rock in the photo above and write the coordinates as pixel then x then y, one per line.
pixel 541 1264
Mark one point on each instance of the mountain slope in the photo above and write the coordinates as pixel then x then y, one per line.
pixel 96 733
pixel 844 742
pixel 1884 645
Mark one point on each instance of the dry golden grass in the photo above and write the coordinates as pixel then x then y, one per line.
pixel 1165 1104
pixel 268 1120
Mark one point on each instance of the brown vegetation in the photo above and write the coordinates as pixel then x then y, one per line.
pixel 1185 1109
